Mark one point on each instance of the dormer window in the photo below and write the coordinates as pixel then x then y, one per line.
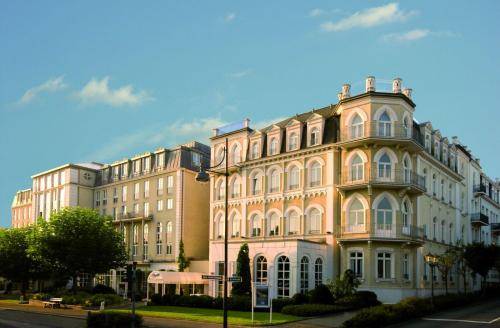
pixel 314 139
pixel 427 142
pixel 255 150
pixel 293 141
pixel 273 146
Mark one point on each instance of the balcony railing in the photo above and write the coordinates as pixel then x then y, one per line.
pixel 378 129
pixel 377 175
pixel 134 215
pixel 480 188
pixel 495 227
pixel 479 219
pixel 381 231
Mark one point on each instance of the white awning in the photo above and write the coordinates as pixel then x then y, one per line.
pixel 166 277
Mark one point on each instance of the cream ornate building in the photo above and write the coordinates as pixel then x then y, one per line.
pixel 359 185
pixel 21 209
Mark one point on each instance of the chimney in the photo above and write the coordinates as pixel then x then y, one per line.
pixel 246 123
pixel 346 91
pixel 407 92
pixel 215 132
pixel 339 96
pixel 454 139
pixel 396 85
pixel 370 84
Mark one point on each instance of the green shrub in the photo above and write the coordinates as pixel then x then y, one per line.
pixel 109 299
pixel 156 299
pixel 311 310
pixel 279 303
pixel 76 299
pixel 102 289
pixel 300 298
pixel 240 303
pixel 358 300
pixel 203 301
pixel 321 295
pixel 41 296
pixel 112 320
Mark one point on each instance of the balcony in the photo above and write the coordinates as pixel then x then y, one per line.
pixel 133 217
pixel 394 179
pixel 479 189
pixel 479 219
pixel 495 228
pixel 384 133
pixel 383 232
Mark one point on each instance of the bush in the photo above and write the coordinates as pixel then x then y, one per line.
pixel 321 295
pixel 311 310
pixel 41 296
pixel 109 299
pixel 359 300
pixel 279 303
pixel 76 299
pixel 203 301
pixel 240 303
pixel 102 289
pixel 156 299
pixel 300 298
pixel 112 320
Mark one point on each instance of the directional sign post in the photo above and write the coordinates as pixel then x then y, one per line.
pixel 234 279
pixel 211 277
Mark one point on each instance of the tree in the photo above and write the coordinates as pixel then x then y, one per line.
pixel 345 285
pixel 480 259
pixel 16 264
pixel 182 260
pixel 243 271
pixel 445 265
pixel 462 267
pixel 79 240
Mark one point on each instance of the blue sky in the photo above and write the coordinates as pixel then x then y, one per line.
pixel 95 80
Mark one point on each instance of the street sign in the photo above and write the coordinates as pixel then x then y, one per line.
pixel 261 296
pixel 234 279
pixel 211 277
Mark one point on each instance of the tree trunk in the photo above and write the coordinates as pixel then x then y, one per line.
pixel 446 284
pixel 74 283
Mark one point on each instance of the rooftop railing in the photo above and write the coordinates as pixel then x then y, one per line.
pixel 379 175
pixel 381 231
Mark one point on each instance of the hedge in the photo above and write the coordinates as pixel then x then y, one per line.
pixel 112 320
pixel 358 300
pixel 311 310
pixel 236 303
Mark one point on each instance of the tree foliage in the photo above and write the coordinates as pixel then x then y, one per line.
pixel 345 285
pixel 446 261
pixel 480 258
pixel 182 260
pixel 243 271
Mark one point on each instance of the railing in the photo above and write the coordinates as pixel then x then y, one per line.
pixel 479 218
pixel 495 227
pixel 379 129
pixel 382 176
pixel 381 230
pixel 134 215
pixel 479 188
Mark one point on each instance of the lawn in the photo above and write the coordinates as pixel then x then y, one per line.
pixel 211 315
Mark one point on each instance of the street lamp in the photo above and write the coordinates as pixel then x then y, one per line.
pixel 203 176
pixel 432 261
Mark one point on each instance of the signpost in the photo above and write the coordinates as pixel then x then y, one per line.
pixel 261 298
pixel 211 277
pixel 234 279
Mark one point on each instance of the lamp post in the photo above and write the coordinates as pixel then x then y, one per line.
pixel 202 176
pixel 432 261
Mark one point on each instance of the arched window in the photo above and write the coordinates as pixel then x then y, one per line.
pixel 304 275
pixel 384 215
pixel 255 150
pixel 235 188
pixel 219 227
pixel 314 222
pixel 406 217
pixel 283 277
pixel 356 218
pixel 318 272
pixel 293 141
pixel 384 167
pixel 255 184
pixel 407 126
pixel 294 177
pixel 384 125
pixel 357 168
pixel 315 175
pixel 220 190
pixel 236 154
pixel 314 138
pixel 159 241
pixel 169 227
pixel 293 223
pixel 235 226
pixel 261 270
pixel 274 225
pixel 145 241
pixel 220 155
pixel 273 148
pixel 406 169
pixel 255 225
pixel 274 183
pixel 135 239
pixel 357 129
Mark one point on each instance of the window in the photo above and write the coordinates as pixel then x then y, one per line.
pixel 442 189
pixel 315 178
pixel 169 249
pixel 169 227
pixel 159 205
pixel 136 209
pixel 97 198
pixel 124 193
pixel 170 203
pixel 406 170
pixel 304 275
pixel 356 218
pixel 314 139
pixel 219 227
pixel 125 237
pixel 283 277
pixel 255 150
pixel 314 221
pixel 221 190
pixel 255 225
pixel 124 210
pixel 293 141
pixel 318 272
pixel 136 190
pixel 170 184
pixel 274 224
pixel 293 223
pixel 261 270
pixel 442 231
pixel 235 154
pixel 294 177
pixel 434 184
pixel 137 167
pixel 274 185
pixel 384 125
pixel 235 226
pixel 384 167
pixel 196 158
pixel 160 160
pixel 406 267
pixel 255 184
pixel 356 263
pixel 146 164
pixel 357 130
pixel 159 242
pixel 115 195
pixel 145 242
pixel 384 265
pixel 273 147
pixel 406 218
pixel 451 239
pixel 235 188
pixel 407 126
pixel 434 228
pixel 146 209
pixel 357 168
pixel 384 215
pixel 135 239
pixel 160 187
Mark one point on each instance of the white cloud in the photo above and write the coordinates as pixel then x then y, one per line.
pixel 416 34
pixel 98 91
pixel 317 12
pixel 51 85
pixel 368 18
pixel 240 74
pixel 229 17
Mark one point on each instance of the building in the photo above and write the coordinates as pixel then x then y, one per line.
pixel 21 209
pixel 358 185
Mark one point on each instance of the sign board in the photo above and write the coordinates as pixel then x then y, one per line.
pixel 211 277
pixel 234 279
pixel 261 296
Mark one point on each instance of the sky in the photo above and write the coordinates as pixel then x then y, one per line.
pixel 104 80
